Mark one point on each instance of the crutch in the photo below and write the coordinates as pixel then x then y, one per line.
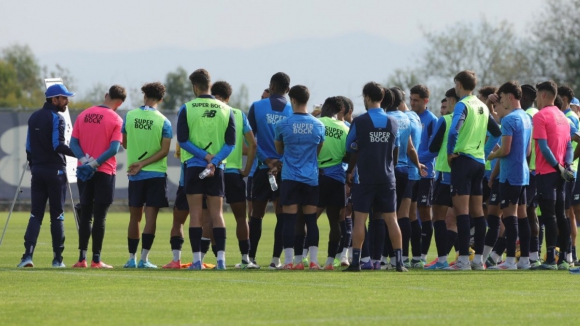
pixel 72 201
pixel 18 191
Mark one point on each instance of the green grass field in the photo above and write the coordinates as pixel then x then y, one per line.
pixel 46 296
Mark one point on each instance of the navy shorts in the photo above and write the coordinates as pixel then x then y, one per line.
pixel 531 196
pixel 411 190
pixel 249 188
pixel 569 193
pixel 550 186
pixel 181 200
pixel 442 194
pixel 576 192
pixel 382 198
pixel 515 195
pixel 486 190
pixel 298 193
pixel 261 189
pixel 150 192
pixel 332 193
pixel 210 186
pixel 100 189
pixel 235 188
pixel 466 176
pixel 494 195
pixel 425 192
pixel 401 180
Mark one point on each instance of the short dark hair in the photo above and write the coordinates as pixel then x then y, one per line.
pixel 222 89
pixel 511 87
pixel 374 91
pixel 398 96
pixel 567 91
pixel 486 91
pixel 548 86
pixel 529 91
pixel 117 92
pixel 467 79
pixel 388 100
pixel 348 105
pixel 267 90
pixel 559 103
pixel 280 81
pixel 300 94
pixel 332 106
pixel 154 90
pixel 420 90
pixel 451 93
pixel 201 79
pixel 444 100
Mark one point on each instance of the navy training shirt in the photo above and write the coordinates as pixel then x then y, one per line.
pixel 374 136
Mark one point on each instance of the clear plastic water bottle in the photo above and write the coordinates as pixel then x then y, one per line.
pixel 273 183
pixel 204 173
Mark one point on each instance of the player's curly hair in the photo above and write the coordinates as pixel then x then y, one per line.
pixel 154 90
pixel 486 91
pixel 222 89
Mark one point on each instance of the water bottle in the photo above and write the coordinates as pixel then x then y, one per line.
pixel 204 173
pixel 273 183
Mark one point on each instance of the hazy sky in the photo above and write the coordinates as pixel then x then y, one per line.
pixel 122 25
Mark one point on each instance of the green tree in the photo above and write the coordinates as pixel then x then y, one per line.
pixel 178 89
pixel 555 45
pixel 493 51
pixel 26 65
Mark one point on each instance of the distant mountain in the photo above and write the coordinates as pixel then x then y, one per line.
pixel 327 66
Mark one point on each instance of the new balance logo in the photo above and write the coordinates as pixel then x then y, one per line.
pixel 209 114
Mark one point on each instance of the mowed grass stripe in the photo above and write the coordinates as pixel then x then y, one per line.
pixel 160 297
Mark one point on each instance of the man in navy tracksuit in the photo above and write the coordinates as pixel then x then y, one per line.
pixel 45 151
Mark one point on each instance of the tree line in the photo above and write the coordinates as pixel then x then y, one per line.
pixel 549 49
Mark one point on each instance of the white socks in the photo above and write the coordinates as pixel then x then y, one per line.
pixel 176 255
pixel 288 255
pixel 144 255
pixel 486 251
pixel 329 261
pixel 197 257
pixel 313 254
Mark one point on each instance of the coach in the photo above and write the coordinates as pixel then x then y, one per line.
pixel 45 151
